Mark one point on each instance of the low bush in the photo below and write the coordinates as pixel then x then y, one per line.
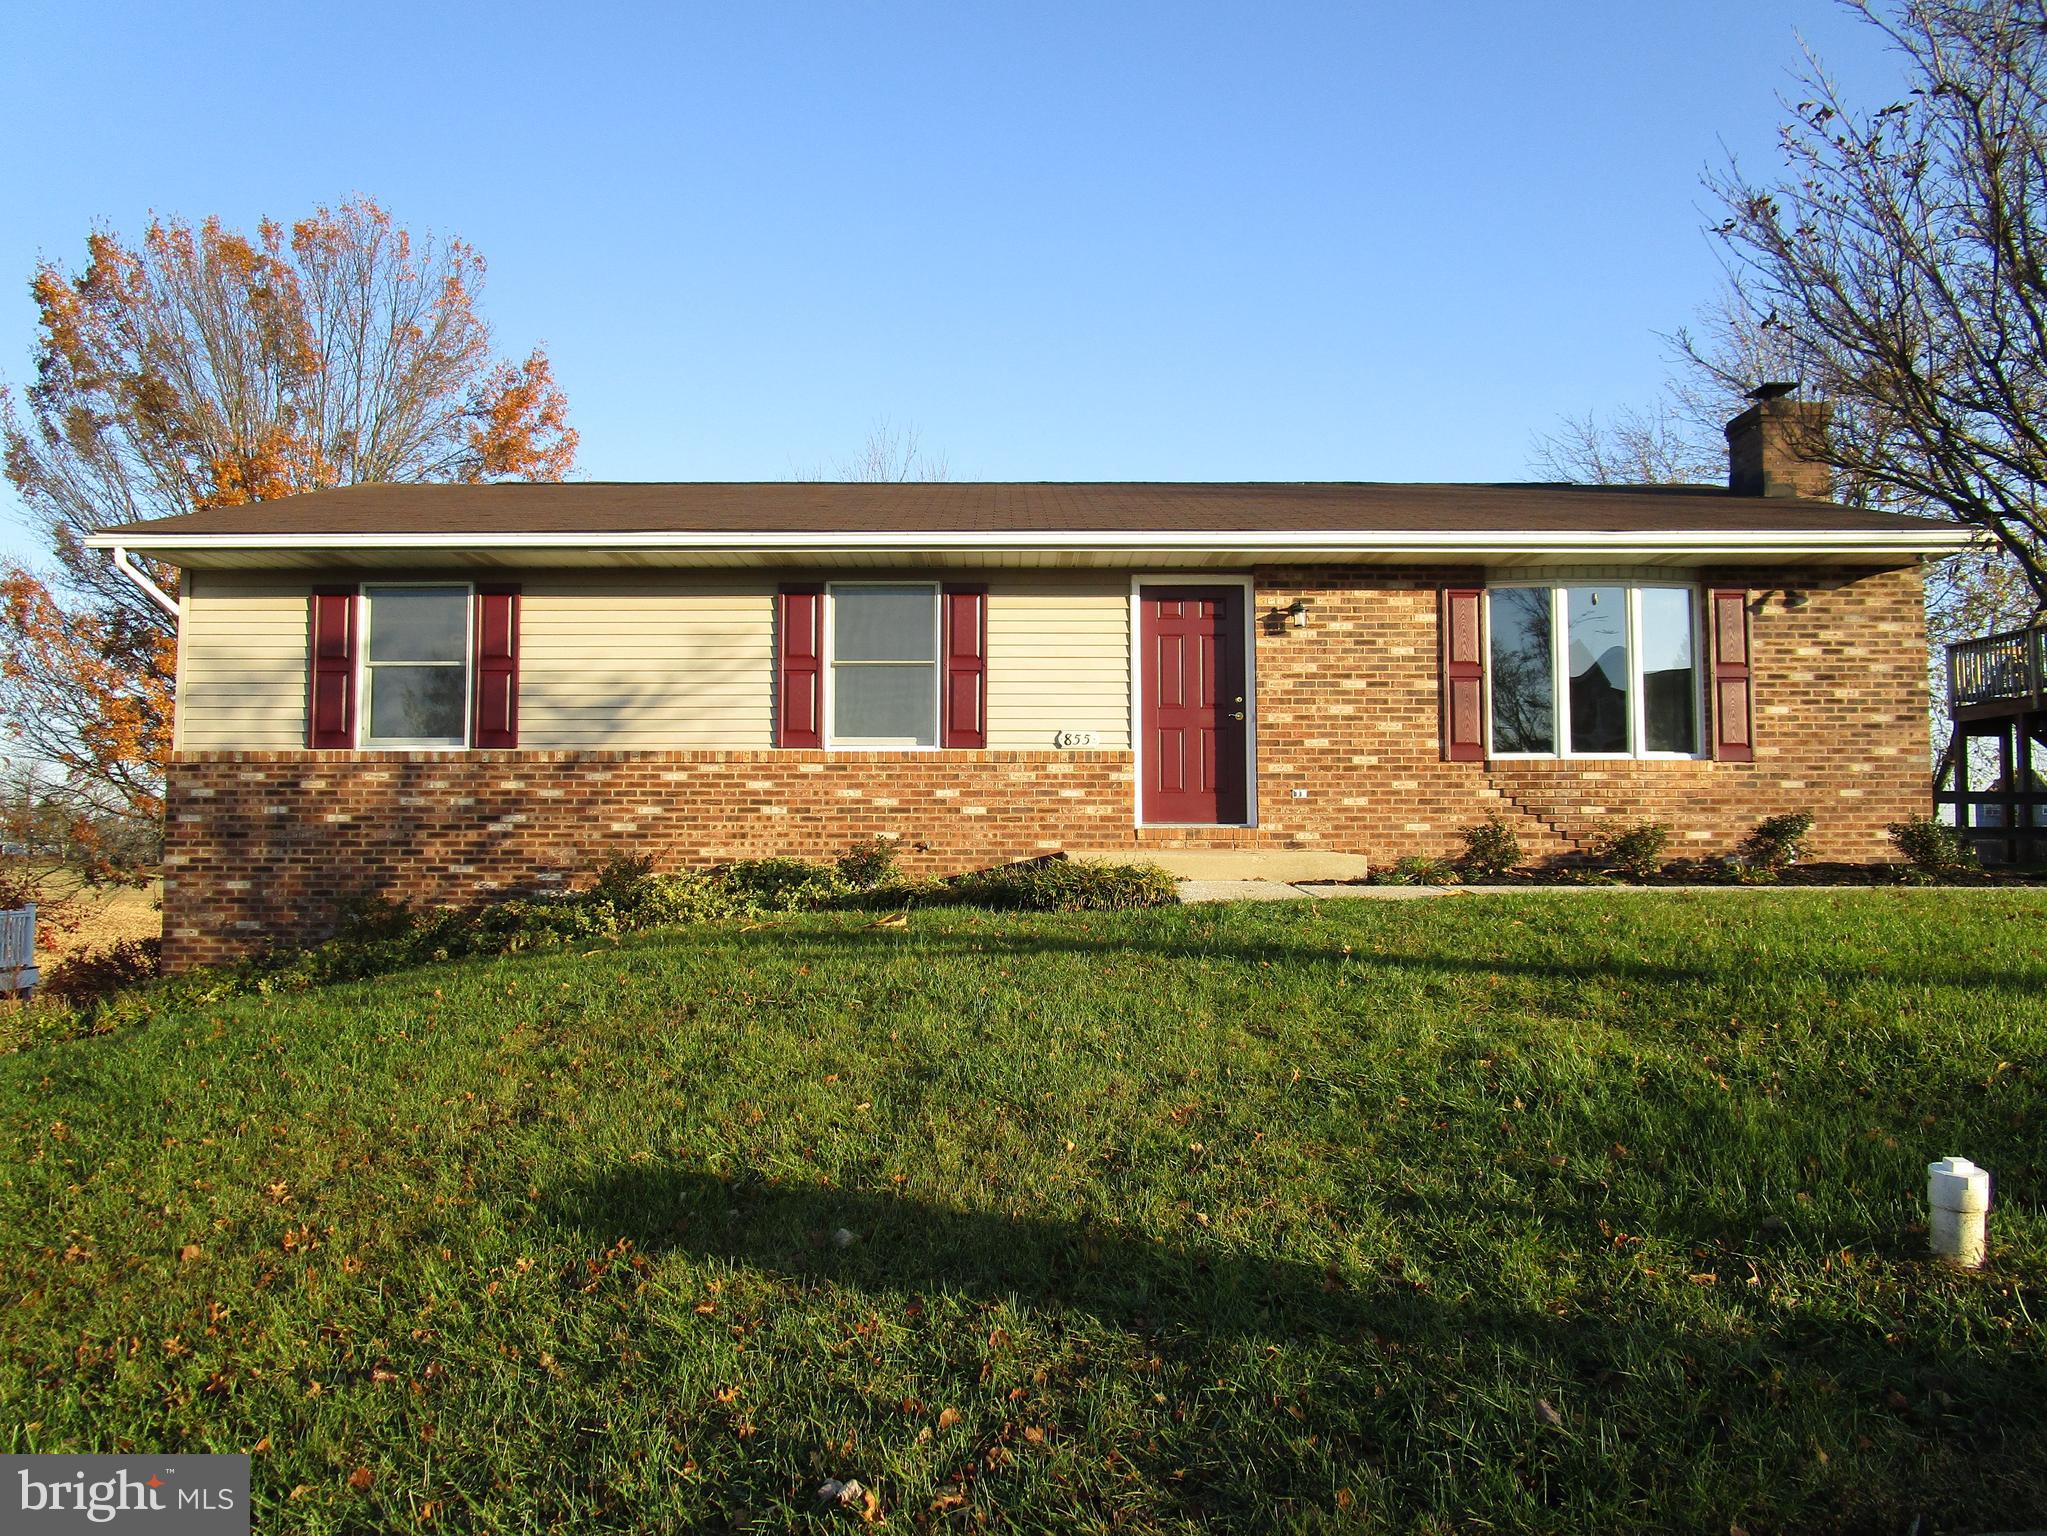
pixel 1932 849
pixel 89 973
pixel 780 885
pixel 1491 849
pixel 1778 843
pixel 376 937
pixel 870 864
pixel 1636 852
pixel 1417 871
pixel 1059 884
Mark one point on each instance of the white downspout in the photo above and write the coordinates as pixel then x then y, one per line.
pixel 150 589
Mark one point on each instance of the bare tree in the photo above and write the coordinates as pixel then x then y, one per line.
pixel 890 455
pixel 1679 439
pixel 1634 446
pixel 1900 263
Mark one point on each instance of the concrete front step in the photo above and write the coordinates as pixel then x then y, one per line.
pixel 1284 866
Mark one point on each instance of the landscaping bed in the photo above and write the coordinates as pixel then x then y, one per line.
pixel 1598 1216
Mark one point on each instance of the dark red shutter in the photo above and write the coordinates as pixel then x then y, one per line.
pixel 497 667
pixel 1463 676
pixel 330 696
pixel 965 646
pixel 799 667
pixel 1733 700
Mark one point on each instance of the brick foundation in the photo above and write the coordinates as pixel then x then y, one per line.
pixel 261 846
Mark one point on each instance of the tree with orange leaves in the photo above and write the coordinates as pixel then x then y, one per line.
pixel 208 367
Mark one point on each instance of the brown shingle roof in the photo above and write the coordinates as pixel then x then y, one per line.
pixel 797 507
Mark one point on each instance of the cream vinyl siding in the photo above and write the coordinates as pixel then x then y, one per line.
pixel 242 663
pixel 655 663
pixel 1059 660
pixel 646 665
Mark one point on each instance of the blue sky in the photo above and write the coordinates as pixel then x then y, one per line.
pixel 1111 241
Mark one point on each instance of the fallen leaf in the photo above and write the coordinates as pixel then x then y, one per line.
pixel 947 1418
pixel 1548 1414
pixel 361 1478
pixel 188 1253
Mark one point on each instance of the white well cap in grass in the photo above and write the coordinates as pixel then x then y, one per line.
pixel 1958 1197
pixel 1956 1184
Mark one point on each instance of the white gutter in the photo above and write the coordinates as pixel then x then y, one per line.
pixel 1934 539
pixel 136 574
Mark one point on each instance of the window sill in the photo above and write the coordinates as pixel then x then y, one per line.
pixel 1599 757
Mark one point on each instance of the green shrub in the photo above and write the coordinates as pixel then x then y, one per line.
pixel 1059 884
pixel 376 937
pixel 1778 843
pixel 780 885
pixel 1417 871
pixel 1636 852
pixel 1933 848
pixel 1491 849
pixel 868 864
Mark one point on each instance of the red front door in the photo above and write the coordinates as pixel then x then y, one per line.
pixel 1194 709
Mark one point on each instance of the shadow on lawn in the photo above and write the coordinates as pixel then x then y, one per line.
pixel 1412 1372
pixel 1965 975
pixel 1120 1278
pixel 1195 1294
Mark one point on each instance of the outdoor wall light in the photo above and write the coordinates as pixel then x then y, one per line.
pixel 1297 610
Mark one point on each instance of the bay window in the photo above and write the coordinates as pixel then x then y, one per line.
pixel 883 673
pixel 1593 671
pixel 416 666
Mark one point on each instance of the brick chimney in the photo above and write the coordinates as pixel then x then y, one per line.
pixel 1773 446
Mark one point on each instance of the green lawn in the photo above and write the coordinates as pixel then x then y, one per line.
pixel 1554 1214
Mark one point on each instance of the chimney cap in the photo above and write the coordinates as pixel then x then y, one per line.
pixel 1774 390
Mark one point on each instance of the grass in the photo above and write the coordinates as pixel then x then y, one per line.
pixel 1514 1214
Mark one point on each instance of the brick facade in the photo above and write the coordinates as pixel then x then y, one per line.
pixel 261 846
pixel 1348 710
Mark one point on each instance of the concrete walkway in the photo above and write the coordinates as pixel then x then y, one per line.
pixel 1192 891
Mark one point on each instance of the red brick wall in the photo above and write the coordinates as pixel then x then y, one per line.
pixel 1348 711
pixel 262 845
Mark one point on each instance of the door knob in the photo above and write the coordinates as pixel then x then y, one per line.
pixel 1236 714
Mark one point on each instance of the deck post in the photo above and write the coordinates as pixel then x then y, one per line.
pixel 2007 765
pixel 1964 811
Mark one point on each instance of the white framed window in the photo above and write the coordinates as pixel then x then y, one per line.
pixel 415 685
pixel 1598 669
pixel 882 672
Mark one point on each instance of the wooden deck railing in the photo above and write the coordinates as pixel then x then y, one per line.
pixel 1998 672
pixel 17 950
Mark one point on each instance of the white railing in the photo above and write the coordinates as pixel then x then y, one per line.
pixel 17 950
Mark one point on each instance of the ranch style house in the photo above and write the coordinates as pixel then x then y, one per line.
pixel 446 693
